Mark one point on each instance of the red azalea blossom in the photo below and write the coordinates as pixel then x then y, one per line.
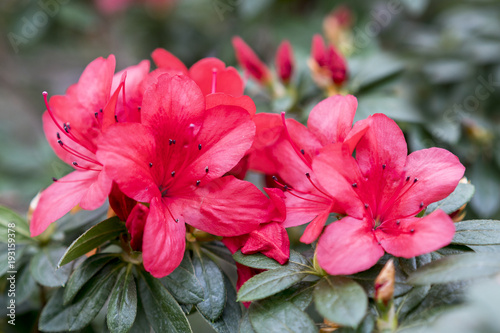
pixel 291 151
pixel 284 61
pixel 174 160
pixel 73 124
pixel 250 61
pixel 381 191
pixel 327 64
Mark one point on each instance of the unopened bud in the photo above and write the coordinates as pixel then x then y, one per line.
pixel 384 283
pixel 328 326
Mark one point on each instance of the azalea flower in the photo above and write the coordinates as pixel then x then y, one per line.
pixel 73 124
pixel 288 152
pixel 250 62
pixel 174 161
pixel 284 61
pixel 382 190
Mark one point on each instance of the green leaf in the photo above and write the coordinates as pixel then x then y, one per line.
pixel 25 285
pixel 341 300
pixel 122 307
pixel 84 272
pixel 245 324
pixel 462 194
pixel 162 311
pixel 141 323
pixel 300 295
pixel 104 231
pixel 45 270
pixel 411 300
pixel 485 176
pixel 229 321
pixel 92 297
pixel 456 268
pixel 54 316
pixel 212 281
pixel 220 250
pixel 368 70
pixel 394 107
pixel 183 284
pixel 257 260
pixel 15 226
pixel 273 316
pixel 271 282
pixel 477 232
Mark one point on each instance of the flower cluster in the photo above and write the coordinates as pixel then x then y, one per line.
pixel 170 149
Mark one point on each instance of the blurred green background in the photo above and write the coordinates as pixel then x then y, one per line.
pixel 434 66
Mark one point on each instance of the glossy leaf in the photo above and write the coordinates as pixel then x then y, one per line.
pixel 104 231
pixel 122 307
pixel 462 194
pixel 183 284
pixel 162 310
pixel 477 232
pixel 212 281
pixel 341 300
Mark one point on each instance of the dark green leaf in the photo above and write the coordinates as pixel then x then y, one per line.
pixel 270 316
pixel 411 300
pixel 477 232
pixel 257 260
pixel 162 311
pixel 462 194
pixel 300 295
pixel 44 267
pixel 84 272
pixel 54 316
pixel 92 297
pixel 367 70
pixel 456 268
pixel 25 285
pixel 141 323
pixel 485 177
pixel 183 284
pixel 340 300
pixel 212 281
pixel 229 321
pixel 219 250
pixel 271 282
pixel 13 226
pixel 122 307
pixel 104 231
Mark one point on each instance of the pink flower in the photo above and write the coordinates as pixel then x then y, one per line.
pixel 284 61
pixel 174 160
pixel 250 61
pixel 381 191
pixel 73 124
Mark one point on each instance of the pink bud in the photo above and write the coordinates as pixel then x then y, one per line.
pixel 250 61
pixel 284 61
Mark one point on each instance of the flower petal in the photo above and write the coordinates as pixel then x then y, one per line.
pixel 166 60
pixel 228 80
pixel 244 102
pixel 315 227
pixel 60 197
pixel 437 172
pixel 126 150
pixel 348 246
pixel 135 224
pixel 268 129
pixel 225 207
pixel 331 119
pixel 270 239
pixel 164 240
pixel 416 236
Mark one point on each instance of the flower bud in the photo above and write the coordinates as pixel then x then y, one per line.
pixel 327 65
pixel 284 61
pixel 250 61
pixel 328 326
pixel 384 283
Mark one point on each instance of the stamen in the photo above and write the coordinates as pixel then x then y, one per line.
pixel 83 168
pixel 354 184
pixel 171 215
pixel 54 179
pixel 214 80
pixel 206 169
pixel 116 118
pixel 422 204
pixel 150 164
pixel 415 180
pixel 398 222
pixel 199 146
pixel 302 151
pixel 383 166
pixel 77 153
pixel 170 142
pixel 366 206
pixel 412 230
pixel 173 173
pixel 198 182
pixel 139 108
pixel 314 185
pixel 58 136
pixel 290 190
pixel 407 178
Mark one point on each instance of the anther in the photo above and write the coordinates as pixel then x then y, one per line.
pixel 412 230
pixel 176 220
pixel 206 169
pixel 139 108
pixel 58 136
pixel 173 173
pixel 199 146
pixel 407 178
pixel 383 166
pixel 75 164
pixel 308 175
pixel 66 128
pixel 366 206
pixel 302 151
pixel 96 114
pixel 116 118
pixel 198 182
pixel 354 184
pixel 173 141
pixel 275 178
pixel 170 142
pixel 100 110
pixel 150 164
pixel 421 204
pixel 60 142
pixel 285 187
pixel 398 222
pixel 54 179
pixel 415 180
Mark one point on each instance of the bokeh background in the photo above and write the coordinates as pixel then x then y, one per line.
pixel 434 66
